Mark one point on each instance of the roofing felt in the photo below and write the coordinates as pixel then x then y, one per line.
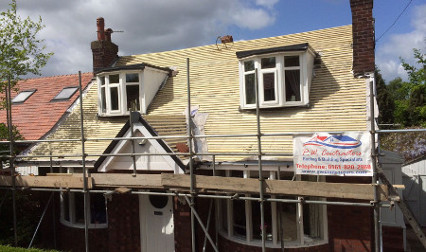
pixel 131 67
pixel 289 48
pixel 37 115
pixel 337 99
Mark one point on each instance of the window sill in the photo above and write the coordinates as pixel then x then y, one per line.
pixel 269 244
pixel 299 105
pixel 81 225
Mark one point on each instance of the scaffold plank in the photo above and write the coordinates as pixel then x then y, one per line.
pixel 276 187
pixel 64 181
pixel 127 180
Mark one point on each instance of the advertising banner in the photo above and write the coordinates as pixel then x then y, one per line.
pixel 347 154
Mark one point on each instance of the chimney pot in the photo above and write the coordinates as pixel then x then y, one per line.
pixel 100 23
pixel 108 34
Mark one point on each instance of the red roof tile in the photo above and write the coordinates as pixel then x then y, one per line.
pixel 38 114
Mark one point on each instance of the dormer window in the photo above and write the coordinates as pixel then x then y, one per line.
pixel 129 88
pixel 284 75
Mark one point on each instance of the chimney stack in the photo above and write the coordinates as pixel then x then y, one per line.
pixel 363 37
pixel 103 50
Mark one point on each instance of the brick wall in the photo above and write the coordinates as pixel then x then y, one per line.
pixel 122 234
pixel 104 54
pixel 227 245
pixel 182 224
pixel 123 223
pixel 363 36
pixel 393 239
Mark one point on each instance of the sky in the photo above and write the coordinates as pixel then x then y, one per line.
pixel 152 26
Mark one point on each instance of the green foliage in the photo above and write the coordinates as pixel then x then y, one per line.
pixel 409 109
pixel 384 100
pixel 22 52
pixel 28 212
pixel 14 249
pixel 4 136
pixel 409 97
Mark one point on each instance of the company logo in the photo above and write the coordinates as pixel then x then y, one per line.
pixel 338 141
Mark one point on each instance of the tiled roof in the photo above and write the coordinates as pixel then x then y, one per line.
pixel 38 114
pixel 337 99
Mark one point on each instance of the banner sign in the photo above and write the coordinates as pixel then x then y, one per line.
pixel 347 154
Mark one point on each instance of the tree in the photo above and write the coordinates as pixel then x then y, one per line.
pixel 410 96
pixel 416 106
pixel 22 52
pixel 384 100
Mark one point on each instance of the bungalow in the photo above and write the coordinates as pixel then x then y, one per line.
pixel 137 117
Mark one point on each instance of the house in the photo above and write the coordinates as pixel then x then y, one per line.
pixel 39 104
pixel 137 117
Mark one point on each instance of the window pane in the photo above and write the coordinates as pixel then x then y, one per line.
pixel 132 92
pixel 102 80
pixel 292 85
pixel 114 98
pixel 134 77
pixel 287 215
pixel 312 219
pixel 268 62
pixel 23 96
pixel 103 100
pixel 250 89
pixel 114 78
pixel 269 87
pixel 224 214
pixel 248 65
pixel 97 208
pixel 79 207
pixel 66 205
pixel 257 227
pixel 66 93
pixel 290 61
pixel 239 218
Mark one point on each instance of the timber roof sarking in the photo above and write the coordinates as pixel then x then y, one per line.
pixel 337 99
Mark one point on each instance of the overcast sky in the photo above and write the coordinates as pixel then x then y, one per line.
pixel 159 25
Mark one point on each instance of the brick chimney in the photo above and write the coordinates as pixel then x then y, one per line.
pixel 103 50
pixel 363 37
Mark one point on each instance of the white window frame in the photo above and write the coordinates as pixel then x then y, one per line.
pixel 139 84
pixel 306 69
pixel 122 94
pixel 275 242
pixel 72 222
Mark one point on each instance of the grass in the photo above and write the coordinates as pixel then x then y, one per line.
pixel 4 248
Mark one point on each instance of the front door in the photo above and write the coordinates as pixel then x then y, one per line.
pixel 156 216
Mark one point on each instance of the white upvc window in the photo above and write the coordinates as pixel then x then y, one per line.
pixel 119 93
pixel 297 224
pixel 72 208
pixel 283 79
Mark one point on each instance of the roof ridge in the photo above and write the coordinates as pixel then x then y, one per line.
pixel 237 41
pixel 53 76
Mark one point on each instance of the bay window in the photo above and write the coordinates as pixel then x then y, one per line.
pixel 283 75
pixel 72 208
pixel 296 224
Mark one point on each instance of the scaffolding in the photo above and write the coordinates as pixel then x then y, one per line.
pixel 189 187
